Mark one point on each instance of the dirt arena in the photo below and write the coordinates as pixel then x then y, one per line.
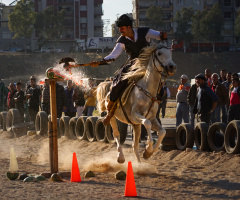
pixel 166 175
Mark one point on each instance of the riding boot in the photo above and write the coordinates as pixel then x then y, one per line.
pixel 111 107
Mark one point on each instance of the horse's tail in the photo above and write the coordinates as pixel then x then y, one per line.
pixel 102 94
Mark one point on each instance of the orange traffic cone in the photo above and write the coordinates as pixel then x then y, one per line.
pixel 130 187
pixel 75 174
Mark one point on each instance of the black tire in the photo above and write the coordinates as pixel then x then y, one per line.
pixel 13 117
pixel 64 126
pixel 3 119
pixel 90 128
pixel 170 132
pixel 122 128
pixel 100 131
pixel 22 128
pixel 168 141
pixel 168 147
pixel 232 137
pixel 184 136
pixel 200 136
pixel 72 128
pixel 215 136
pixel 41 123
pixel 80 128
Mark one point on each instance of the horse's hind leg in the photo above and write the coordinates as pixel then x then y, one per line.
pixel 136 136
pixel 161 133
pixel 116 135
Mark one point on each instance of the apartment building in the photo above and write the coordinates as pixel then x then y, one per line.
pixel 83 19
pixel 7 43
pixel 171 7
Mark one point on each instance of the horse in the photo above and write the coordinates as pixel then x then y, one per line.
pixel 153 64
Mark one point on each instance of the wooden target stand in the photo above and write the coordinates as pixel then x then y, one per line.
pixel 52 131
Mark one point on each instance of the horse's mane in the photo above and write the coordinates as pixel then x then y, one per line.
pixel 138 69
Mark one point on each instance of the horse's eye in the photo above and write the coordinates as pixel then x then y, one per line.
pixel 159 54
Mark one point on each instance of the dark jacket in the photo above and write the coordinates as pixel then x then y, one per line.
pixel 78 97
pixel 204 100
pixel 222 94
pixel 69 102
pixel 19 104
pixel 34 100
pixel 192 95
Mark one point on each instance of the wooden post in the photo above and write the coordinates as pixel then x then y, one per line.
pixel 53 135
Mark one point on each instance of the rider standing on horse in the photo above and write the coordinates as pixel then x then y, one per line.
pixel 132 41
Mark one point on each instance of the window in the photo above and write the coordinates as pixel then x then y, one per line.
pixel 180 2
pixel 83 20
pixel 227 2
pixel 83 7
pixel 6 35
pixel 227 15
pixel 196 2
pixel 83 31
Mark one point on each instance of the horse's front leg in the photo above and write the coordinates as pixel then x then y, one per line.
pixel 116 135
pixel 136 136
pixel 147 123
pixel 161 133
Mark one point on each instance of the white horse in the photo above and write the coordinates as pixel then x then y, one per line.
pixel 141 106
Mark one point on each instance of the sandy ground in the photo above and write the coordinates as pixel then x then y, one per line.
pixel 166 175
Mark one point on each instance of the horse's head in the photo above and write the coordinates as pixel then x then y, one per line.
pixel 162 60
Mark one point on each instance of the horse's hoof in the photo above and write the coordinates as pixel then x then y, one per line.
pixel 146 154
pixel 121 160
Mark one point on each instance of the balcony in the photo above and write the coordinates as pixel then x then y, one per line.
pixel 98 11
pixel 98 22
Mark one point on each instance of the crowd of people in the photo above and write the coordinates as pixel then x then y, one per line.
pixel 213 98
pixel 72 100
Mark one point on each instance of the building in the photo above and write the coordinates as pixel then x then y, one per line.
pixel 83 20
pixel 171 7
pixel 7 43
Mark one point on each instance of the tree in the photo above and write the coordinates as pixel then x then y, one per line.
pixel 237 23
pixel 49 24
pixel 183 20
pixel 211 25
pixel 22 19
pixel 196 26
pixel 154 15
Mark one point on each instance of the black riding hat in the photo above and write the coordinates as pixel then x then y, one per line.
pixel 124 20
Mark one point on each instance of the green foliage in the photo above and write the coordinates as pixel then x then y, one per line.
pixel 212 23
pixel 237 23
pixel 196 24
pixel 49 24
pixel 155 15
pixel 22 18
pixel 183 20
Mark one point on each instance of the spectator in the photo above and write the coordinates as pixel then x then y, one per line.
pixel 91 100
pixel 222 94
pixel 182 105
pixel 234 108
pixel 234 75
pixel 70 110
pixel 228 81
pixel 79 101
pixel 3 96
pixel 191 100
pixel 206 100
pixel 223 74
pixel 166 95
pixel 61 100
pixel 20 99
pixel 33 94
pixel 11 94
pixel 46 98
pixel 208 74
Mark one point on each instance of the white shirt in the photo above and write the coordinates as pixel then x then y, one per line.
pixel 119 47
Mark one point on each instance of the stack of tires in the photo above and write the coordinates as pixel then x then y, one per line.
pixel 217 137
pixel 169 142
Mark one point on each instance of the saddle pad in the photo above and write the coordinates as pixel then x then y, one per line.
pixel 126 93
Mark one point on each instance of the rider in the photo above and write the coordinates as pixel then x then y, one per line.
pixel 132 41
